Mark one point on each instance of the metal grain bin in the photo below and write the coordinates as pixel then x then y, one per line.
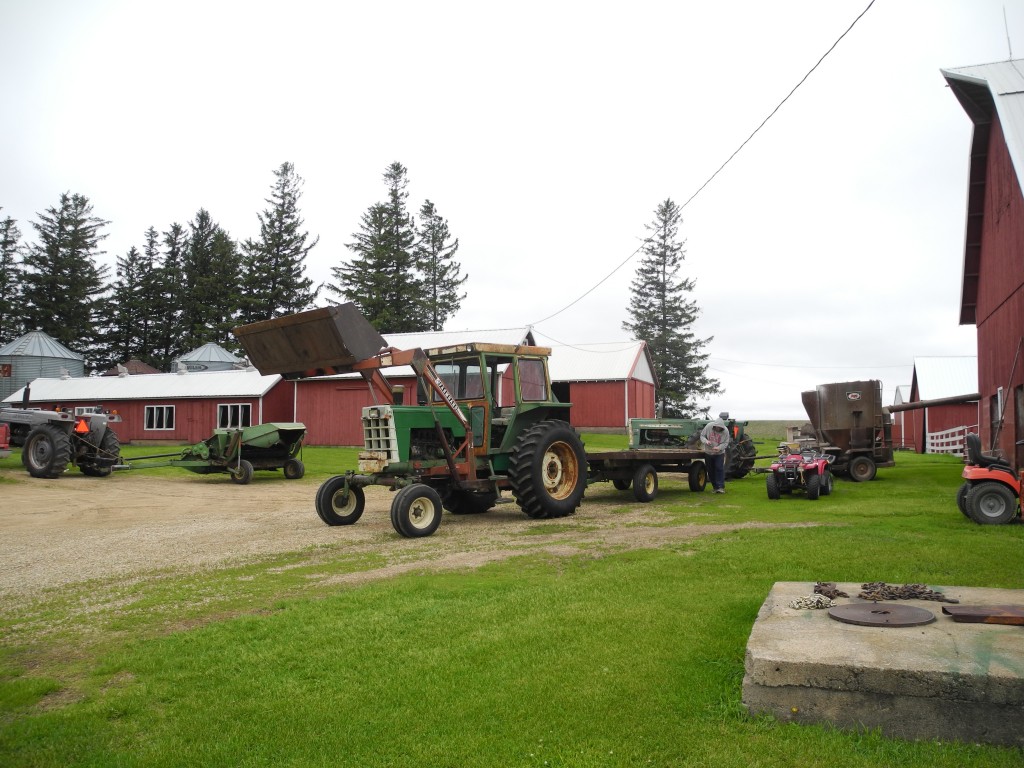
pixel 36 356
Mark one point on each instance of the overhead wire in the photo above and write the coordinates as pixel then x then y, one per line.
pixel 720 168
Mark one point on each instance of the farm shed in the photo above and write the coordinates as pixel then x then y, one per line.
pixel 607 384
pixel 940 407
pixel 171 407
pixel 33 355
pixel 992 289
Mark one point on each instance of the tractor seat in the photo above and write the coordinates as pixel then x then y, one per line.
pixel 976 457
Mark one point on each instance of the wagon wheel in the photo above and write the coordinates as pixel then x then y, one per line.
pixel 697 476
pixel 294 469
pixel 47 451
pixel 862 469
pixel 416 511
pixel 242 474
pixel 645 483
pixel 622 485
pixel 335 506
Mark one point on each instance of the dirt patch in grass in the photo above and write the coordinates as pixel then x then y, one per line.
pixel 77 528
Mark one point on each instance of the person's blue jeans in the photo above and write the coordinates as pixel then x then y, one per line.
pixel 716 469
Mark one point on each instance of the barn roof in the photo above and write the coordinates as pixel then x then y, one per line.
pixel 986 92
pixel 38 344
pixel 942 377
pixel 157 386
pixel 133 367
pixel 609 361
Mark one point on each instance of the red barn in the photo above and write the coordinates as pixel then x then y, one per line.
pixel 992 294
pixel 941 408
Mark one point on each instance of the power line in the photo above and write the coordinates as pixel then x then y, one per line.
pixel 720 168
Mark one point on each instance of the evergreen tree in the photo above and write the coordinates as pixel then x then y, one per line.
pixel 167 340
pixel 381 280
pixel 211 273
pixel 435 252
pixel 128 316
pixel 273 267
pixel 63 287
pixel 662 315
pixel 10 281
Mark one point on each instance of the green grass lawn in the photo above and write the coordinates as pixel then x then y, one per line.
pixel 629 659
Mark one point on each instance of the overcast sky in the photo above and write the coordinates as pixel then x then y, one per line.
pixel 547 133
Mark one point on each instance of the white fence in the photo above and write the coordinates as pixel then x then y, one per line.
pixel 950 441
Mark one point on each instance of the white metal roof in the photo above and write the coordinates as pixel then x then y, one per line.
pixel 608 361
pixel 941 377
pixel 38 344
pixel 434 339
pixel 156 386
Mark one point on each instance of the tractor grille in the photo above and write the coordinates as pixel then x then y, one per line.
pixel 379 433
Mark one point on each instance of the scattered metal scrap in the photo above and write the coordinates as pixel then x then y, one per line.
pixel 812 602
pixel 828 589
pixel 879 590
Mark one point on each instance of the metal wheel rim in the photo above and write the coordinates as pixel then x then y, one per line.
pixel 559 470
pixel 649 482
pixel 343 509
pixel 41 452
pixel 421 513
pixel 992 505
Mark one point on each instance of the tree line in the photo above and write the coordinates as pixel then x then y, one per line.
pixel 191 284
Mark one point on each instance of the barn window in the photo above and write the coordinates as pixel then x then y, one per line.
pixel 234 415
pixel 159 417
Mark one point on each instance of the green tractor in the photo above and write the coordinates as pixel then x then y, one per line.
pixel 484 421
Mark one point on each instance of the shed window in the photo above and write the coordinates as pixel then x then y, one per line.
pixel 159 417
pixel 234 415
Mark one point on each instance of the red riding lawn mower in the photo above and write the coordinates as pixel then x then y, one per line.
pixel 990 494
pixel 796 469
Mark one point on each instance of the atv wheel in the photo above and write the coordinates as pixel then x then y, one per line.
pixel 961 498
pixel 862 469
pixel 416 511
pixel 697 477
pixel 47 451
pixel 826 483
pixel 467 502
pixel 547 470
pixel 991 503
pixel 622 485
pixel 242 474
pixel 294 469
pixel 108 449
pixel 813 487
pixel 772 486
pixel 645 483
pixel 334 506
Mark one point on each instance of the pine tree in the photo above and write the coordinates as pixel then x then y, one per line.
pixel 662 315
pixel 211 271
pixel 10 281
pixel 435 252
pixel 274 266
pixel 382 280
pixel 63 287
pixel 128 316
pixel 167 340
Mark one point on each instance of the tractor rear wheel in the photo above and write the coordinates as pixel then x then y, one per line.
pixel 645 483
pixel 107 448
pixel 242 474
pixel 335 507
pixel 991 503
pixel 467 502
pixel 772 486
pixel 294 469
pixel 416 511
pixel 47 451
pixel 547 470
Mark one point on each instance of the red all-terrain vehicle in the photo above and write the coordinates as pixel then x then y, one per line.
pixel 797 470
pixel 990 494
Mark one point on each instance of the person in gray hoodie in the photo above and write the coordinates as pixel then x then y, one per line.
pixel 714 439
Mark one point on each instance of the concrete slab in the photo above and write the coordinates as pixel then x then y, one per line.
pixel 946 680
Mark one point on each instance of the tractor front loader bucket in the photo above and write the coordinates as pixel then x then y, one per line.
pixel 318 342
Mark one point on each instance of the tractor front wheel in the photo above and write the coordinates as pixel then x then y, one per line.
pixel 47 451
pixel 991 504
pixel 335 506
pixel 547 470
pixel 416 511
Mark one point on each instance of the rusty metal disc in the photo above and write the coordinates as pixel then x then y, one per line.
pixel 881 615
